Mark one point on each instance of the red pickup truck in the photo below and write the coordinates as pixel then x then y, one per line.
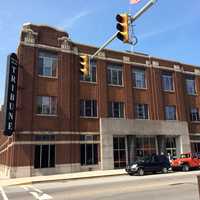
pixel 186 161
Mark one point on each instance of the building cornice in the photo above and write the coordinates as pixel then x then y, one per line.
pixel 155 64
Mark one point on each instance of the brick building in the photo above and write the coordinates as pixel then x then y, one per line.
pixel 130 106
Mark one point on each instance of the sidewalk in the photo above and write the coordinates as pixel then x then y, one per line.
pixel 59 177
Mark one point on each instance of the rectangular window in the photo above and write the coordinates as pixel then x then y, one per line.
pixel 88 108
pixel 138 77
pixel 171 146
pixel 170 113
pixel 145 146
pixel 92 76
pixel 89 150
pixel 167 81
pixel 194 114
pixel 47 105
pixel 119 152
pixel 44 156
pixel 190 85
pixel 141 111
pixel 116 109
pixel 47 64
pixel 114 74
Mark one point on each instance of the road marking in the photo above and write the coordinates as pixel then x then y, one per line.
pixel 3 194
pixel 37 193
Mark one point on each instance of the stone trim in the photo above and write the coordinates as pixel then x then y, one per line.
pixel 176 69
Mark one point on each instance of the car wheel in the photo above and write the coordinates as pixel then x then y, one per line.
pixel 164 170
pixel 131 174
pixel 140 172
pixel 185 168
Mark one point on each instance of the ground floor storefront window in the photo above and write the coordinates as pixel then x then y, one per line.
pixel 119 151
pixel 145 146
pixel 195 147
pixel 44 156
pixel 171 146
pixel 89 150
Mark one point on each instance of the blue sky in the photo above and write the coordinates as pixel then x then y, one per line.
pixel 170 29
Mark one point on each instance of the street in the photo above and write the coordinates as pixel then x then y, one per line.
pixel 170 186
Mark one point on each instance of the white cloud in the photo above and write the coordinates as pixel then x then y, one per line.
pixel 70 22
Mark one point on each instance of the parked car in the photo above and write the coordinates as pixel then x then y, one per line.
pixel 155 163
pixel 186 161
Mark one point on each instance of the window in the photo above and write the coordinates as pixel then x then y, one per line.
pixel 171 146
pixel 138 76
pixel 141 111
pixel 114 74
pixel 145 146
pixel 89 150
pixel 92 76
pixel 47 105
pixel 119 151
pixel 167 81
pixel 116 109
pixel 44 156
pixel 194 114
pixel 88 108
pixel 170 112
pixel 190 85
pixel 47 64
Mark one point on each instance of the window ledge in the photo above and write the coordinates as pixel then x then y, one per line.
pixel 46 115
pixel 49 77
pixel 142 119
pixel 138 88
pixel 85 117
pixel 112 85
pixel 192 94
pixel 88 82
pixel 169 91
pixel 195 122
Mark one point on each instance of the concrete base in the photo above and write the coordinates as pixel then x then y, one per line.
pixel 126 127
pixel 27 171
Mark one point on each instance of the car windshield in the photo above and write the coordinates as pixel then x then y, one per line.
pixel 185 156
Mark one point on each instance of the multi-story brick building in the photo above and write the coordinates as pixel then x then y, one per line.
pixel 131 105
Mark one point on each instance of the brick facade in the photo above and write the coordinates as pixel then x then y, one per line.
pixel 67 126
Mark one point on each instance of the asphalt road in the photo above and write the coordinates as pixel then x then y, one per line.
pixel 173 186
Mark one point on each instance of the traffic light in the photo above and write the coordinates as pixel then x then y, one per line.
pixel 85 65
pixel 123 27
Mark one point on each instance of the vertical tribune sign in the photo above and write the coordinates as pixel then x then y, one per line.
pixel 10 94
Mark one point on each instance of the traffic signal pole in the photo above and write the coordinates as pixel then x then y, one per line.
pixel 104 45
pixel 142 10
pixel 133 18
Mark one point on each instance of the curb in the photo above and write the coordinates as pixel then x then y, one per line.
pixel 29 182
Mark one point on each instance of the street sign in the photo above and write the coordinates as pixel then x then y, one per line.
pixel 9 108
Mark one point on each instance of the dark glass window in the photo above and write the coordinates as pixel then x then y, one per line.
pixel 47 105
pixel 47 64
pixel 190 85
pixel 116 109
pixel 141 111
pixel 170 112
pixel 119 151
pixel 167 81
pixel 89 151
pixel 194 114
pixel 88 108
pixel 114 74
pixel 138 76
pixel 44 156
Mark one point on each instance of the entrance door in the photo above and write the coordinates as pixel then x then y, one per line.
pixel 119 152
